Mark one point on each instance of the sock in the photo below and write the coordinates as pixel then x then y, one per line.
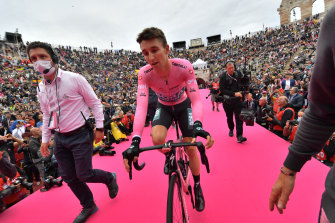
pixel 196 180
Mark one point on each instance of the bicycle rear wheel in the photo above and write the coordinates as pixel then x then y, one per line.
pixel 175 206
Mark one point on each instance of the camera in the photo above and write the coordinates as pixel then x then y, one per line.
pixel 268 112
pixel 222 98
pixel 7 191
pixel 244 81
pixel 104 150
pixel 293 122
pixel 17 182
pixel 50 181
pixel 247 116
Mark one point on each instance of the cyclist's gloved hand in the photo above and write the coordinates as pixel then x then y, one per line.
pixel 132 152
pixel 199 131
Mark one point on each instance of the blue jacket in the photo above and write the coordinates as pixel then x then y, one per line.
pixel 283 83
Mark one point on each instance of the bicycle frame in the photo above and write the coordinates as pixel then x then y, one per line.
pixel 184 182
pixel 184 185
pixel 177 154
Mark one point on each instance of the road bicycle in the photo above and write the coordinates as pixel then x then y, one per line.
pixel 179 176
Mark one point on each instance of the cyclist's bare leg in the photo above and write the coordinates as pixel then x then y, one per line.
pixel 195 169
pixel 193 156
pixel 158 133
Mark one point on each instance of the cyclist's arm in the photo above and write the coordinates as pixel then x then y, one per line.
pixel 142 104
pixel 193 93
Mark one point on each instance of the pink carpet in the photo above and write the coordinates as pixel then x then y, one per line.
pixel 236 190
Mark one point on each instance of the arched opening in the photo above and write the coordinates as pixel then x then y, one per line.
pixel 318 7
pixel 201 83
pixel 295 14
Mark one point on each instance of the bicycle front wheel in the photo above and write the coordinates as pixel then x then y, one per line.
pixel 175 206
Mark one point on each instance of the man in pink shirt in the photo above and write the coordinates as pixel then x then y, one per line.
pixel 174 82
pixel 65 98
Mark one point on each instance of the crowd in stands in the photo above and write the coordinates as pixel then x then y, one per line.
pixel 280 60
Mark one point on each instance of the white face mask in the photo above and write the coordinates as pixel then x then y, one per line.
pixel 299 119
pixel 44 67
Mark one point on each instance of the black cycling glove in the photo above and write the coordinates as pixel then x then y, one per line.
pixel 133 150
pixel 198 130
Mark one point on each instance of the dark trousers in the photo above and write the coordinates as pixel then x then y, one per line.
pixel 74 157
pixel 31 171
pixel 234 108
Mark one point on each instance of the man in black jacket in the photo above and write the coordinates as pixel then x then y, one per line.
pixel 315 128
pixel 296 100
pixel 34 147
pixel 6 169
pixel 262 112
pixel 232 104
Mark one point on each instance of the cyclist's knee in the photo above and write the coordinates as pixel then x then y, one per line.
pixel 191 152
pixel 158 139
pixel 158 134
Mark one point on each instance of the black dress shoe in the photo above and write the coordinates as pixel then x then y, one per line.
pixel 113 187
pixel 85 213
pixel 231 133
pixel 241 139
pixel 199 198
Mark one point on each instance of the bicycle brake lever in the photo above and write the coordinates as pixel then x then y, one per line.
pixel 204 159
pixel 130 169
pixel 139 167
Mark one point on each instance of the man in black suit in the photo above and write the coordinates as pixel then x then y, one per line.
pixel 296 101
pixel 5 122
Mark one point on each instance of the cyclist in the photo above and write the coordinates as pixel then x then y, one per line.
pixel 174 82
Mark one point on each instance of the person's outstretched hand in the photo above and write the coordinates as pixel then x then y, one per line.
pixel 281 191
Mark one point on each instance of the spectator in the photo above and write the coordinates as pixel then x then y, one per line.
pixel 19 130
pixel 296 101
pixel 28 164
pixel 40 123
pixel 291 127
pixel 34 147
pixel 118 134
pixel 262 113
pixel 327 154
pixel 285 114
pixel 287 83
pixel 249 103
pixel 315 128
pixel 128 120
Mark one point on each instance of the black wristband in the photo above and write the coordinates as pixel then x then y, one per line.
pixel 197 124
pixel 136 139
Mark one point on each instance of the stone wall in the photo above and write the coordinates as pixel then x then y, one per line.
pixel 306 7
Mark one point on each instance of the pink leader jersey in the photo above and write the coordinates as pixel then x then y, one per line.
pixel 171 92
pixel 71 95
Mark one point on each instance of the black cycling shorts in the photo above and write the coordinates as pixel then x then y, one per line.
pixel 181 112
